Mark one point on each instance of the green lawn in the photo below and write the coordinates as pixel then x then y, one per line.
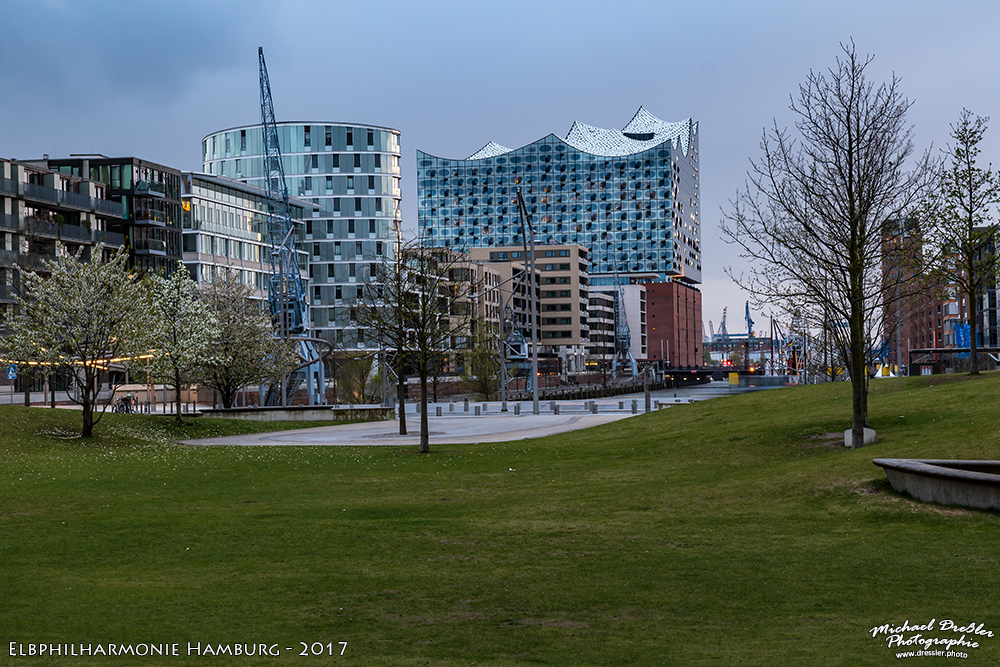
pixel 719 533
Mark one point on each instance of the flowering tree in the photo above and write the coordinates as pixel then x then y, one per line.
pixel 84 319
pixel 245 349
pixel 185 339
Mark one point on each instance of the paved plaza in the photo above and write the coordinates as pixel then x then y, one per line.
pixel 458 426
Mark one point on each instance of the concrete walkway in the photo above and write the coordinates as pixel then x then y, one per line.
pixel 443 430
pixel 456 426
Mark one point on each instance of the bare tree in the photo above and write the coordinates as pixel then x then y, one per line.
pixel 963 228
pixel 418 303
pixel 818 215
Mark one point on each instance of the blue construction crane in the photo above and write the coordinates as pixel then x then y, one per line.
pixel 287 295
pixel 749 323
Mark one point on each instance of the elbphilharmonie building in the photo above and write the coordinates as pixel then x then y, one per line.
pixel 630 196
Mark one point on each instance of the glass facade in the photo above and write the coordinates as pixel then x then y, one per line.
pixel 351 173
pixel 629 196
pixel 223 230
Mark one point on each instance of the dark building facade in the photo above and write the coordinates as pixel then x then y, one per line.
pixel 150 194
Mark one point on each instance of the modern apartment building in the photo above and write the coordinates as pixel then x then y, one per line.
pixel 564 291
pixel 351 174
pixel 150 194
pixel 223 225
pixel 45 215
pixel 630 197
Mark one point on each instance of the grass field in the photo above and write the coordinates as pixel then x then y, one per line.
pixel 729 532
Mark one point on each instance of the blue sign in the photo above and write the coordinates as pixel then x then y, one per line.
pixel 12 372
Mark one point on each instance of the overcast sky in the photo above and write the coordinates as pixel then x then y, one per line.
pixel 150 79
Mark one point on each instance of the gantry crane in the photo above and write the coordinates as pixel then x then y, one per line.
pixel 287 296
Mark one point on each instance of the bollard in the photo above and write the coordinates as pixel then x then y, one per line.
pixel 656 405
pixel 439 411
pixel 647 402
pixel 593 407
pixel 517 408
pixel 451 407
pixel 477 410
pixel 485 406
pixel 555 408
pixel 635 406
pixel 503 407
pixel 552 405
pixel 466 405
pixel 621 405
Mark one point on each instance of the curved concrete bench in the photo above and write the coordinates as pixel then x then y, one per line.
pixel 946 481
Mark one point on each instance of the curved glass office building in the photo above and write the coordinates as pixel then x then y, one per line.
pixel 351 172
pixel 630 196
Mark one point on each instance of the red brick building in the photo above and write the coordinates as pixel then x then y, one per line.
pixel 673 317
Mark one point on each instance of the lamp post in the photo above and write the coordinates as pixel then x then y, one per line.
pixel 528 237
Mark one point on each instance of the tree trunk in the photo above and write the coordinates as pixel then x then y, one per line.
pixel 401 395
pixel 971 309
pixel 177 387
pixel 425 446
pixel 52 390
pixel 859 369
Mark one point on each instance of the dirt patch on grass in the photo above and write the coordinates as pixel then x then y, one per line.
pixel 882 489
pixel 821 443
pixel 552 623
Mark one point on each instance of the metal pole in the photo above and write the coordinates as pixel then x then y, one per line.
pixel 526 228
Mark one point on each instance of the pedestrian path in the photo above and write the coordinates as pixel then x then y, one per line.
pixel 442 431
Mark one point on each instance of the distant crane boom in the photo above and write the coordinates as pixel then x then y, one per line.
pixel 286 294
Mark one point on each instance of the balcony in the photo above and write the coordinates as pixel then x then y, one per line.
pixel 148 188
pixel 149 247
pixel 53 197
pixel 33 227
pixel 149 217
pixel 8 187
pixel 110 239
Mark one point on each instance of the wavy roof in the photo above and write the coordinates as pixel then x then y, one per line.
pixel 491 149
pixel 646 130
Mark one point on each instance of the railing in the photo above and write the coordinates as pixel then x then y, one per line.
pixel 150 245
pixel 41 193
pixel 150 188
pixel 73 232
pixel 151 216
pixel 36 227
pixel 111 208
pixel 8 258
pixel 110 239
pixel 37 192
pixel 8 187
